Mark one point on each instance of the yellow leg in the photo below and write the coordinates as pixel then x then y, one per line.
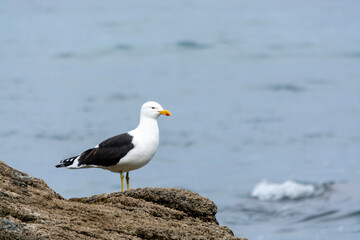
pixel 127 180
pixel 122 181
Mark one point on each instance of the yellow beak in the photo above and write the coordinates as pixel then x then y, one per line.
pixel 165 112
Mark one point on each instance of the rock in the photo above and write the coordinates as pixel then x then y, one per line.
pixel 29 209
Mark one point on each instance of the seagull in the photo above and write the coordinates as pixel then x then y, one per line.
pixel 125 152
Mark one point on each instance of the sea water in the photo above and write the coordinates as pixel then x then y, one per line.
pixel 264 97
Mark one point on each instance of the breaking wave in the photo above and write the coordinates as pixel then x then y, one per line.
pixel 288 190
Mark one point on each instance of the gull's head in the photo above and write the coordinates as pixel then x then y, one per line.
pixel 153 110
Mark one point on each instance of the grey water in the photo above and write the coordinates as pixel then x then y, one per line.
pixel 264 96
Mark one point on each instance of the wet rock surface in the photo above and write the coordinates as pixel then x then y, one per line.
pixel 29 209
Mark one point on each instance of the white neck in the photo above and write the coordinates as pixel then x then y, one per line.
pixel 147 125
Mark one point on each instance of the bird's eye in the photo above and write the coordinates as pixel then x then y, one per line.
pixel 152 107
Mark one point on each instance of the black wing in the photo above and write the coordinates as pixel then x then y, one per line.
pixel 66 162
pixel 109 151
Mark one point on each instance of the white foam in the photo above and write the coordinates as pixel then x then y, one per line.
pixel 267 191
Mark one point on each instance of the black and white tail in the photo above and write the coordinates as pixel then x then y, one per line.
pixel 66 162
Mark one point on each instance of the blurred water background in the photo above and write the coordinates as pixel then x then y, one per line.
pixel 264 96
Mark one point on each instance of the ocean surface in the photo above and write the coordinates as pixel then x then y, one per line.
pixel 264 96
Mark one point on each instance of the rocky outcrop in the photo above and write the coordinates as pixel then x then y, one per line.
pixel 29 209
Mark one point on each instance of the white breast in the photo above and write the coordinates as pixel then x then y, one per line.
pixel 146 142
